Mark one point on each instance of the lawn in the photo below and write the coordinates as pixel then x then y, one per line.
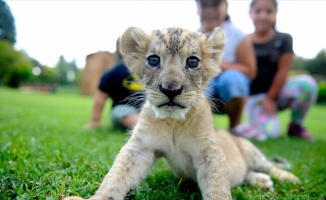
pixel 45 153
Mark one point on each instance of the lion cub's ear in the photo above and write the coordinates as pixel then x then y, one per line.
pixel 133 45
pixel 216 42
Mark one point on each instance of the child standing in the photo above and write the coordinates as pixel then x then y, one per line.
pixel 271 90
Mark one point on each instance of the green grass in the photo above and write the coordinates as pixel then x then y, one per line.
pixel 45 153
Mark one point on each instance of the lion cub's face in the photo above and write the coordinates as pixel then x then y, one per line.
pixel 174 65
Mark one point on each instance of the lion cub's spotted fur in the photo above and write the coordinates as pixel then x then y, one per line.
pixel 176 121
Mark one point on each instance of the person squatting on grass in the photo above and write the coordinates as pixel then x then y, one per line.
pixel 126 93
pixel 238 62
pixel 271 90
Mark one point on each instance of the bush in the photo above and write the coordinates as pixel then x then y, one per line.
pixel 14 65
pixel 322 92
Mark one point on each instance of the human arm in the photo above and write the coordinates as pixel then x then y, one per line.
pixel 246 59
pixel 98 105
pixel 283 69
pixel 284 66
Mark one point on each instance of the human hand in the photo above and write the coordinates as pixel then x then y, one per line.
pixel 269 106
pixel 225 65
pixel 92 125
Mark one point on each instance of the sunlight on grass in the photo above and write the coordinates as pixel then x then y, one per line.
pixel 45 153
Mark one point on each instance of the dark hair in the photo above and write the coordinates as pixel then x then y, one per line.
pixel 215 2
pixel 227 18
pixel 253 2
pixel 218 3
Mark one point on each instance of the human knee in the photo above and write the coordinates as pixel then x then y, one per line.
pixel 130 121
pixel 122 114
pixel 234 77
pixel 235 84
pixel 307 84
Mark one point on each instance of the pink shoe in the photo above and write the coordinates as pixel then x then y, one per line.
pixel 248 131
pixel 298 131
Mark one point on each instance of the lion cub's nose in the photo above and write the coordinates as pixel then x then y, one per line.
pixel 171 93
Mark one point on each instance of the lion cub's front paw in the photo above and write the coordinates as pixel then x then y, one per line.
pixel 261 180
pixel 92 198
pixel 72 198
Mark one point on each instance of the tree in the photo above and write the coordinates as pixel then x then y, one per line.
pixel 299 63
pixel 318 64
pixel 66 71
pixel 15 67
pixel 7 23
pixel 48 75
pixel 42 74
pixel 315 66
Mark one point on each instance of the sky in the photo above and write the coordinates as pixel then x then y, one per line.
pixel 48 29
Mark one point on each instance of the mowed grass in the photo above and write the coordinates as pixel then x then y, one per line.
pixel 45 153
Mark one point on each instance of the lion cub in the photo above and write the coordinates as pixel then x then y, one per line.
pixel 176 123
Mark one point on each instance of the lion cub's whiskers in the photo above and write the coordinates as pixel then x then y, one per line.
pixel 136 99
pixel 214 103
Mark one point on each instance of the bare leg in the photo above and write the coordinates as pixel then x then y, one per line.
pixel 130 121
pixel 233 109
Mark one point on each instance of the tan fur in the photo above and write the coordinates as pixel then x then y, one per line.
pixel 182 132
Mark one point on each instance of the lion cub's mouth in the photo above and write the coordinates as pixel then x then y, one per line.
pixel 171 104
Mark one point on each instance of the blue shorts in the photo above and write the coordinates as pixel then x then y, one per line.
pixel 118 112
pixel 227 86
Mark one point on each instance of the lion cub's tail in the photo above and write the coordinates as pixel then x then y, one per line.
pixel 257 161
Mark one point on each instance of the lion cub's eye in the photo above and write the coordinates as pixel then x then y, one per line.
pixel 153 61
pixel 192 63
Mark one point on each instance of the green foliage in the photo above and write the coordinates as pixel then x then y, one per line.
pixel 65 70
pixel 14 66
pixel 322 92
pixel 299 63
pixel 318 64
pixel 44 153
pixel 314 66
pixel 46 77
pixel 7 23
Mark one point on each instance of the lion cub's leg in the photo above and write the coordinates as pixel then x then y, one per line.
pixel 259 179
pixel 283 175
pixel 257 162
pixel 73 198
pixel 212 174
pixel 129 168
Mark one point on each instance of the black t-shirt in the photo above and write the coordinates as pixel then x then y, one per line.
pixel 120 84
pixel 267 56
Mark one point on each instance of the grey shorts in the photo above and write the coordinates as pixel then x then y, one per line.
pixel 118 112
